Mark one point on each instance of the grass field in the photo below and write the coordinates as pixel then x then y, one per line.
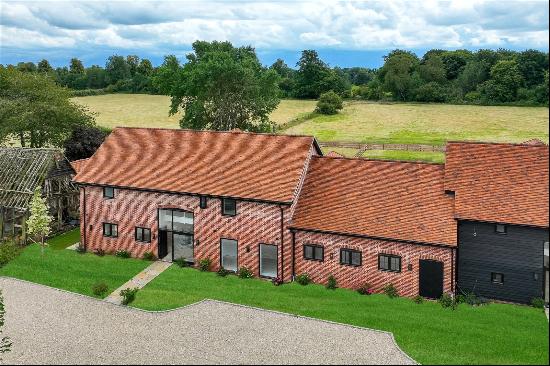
pixel 64 240
pixel 491 334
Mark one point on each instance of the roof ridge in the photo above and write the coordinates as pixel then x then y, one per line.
pixel 212 131
pixel 379 160
pixel 474 142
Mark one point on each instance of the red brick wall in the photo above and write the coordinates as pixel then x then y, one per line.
pixel 352 277
pixel 254 223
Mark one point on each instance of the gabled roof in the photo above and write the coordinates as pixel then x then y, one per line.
pixel 264 167
pixel 383 199
pixel 496 182
pixel 24 169
pixel 78 164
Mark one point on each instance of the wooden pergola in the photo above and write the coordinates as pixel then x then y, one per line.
pixel 21 171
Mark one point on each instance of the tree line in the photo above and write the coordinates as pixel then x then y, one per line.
pixel 461 76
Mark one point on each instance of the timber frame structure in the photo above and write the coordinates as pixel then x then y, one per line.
pixel 21 171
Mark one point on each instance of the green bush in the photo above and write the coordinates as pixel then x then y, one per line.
pixel 87 92
pixel 122 254
pixel 447 301
pixel 100 289
pixel 365 289
pixel 149 256
pixel 537 302
pixel 331 283
pixel 391 291
pixel 204 264
pixel 8 251
pixel 222 272
pixel 329 103
pixel 182 262
pixel 303 279
pixel 244 272
pixel 418 299
pixel 128 295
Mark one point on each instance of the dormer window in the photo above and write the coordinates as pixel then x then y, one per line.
pixel 108 192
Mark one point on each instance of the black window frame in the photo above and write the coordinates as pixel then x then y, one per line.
pixel 203 202
pixel 142 229
pixel 504 226
pixel 390 256
pixel 351 251
pixel 110 225
pixel 224 213
pixel 493 276
pixel 314 246
pixel 106 196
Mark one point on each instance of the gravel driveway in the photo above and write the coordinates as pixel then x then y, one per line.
pixel 49 326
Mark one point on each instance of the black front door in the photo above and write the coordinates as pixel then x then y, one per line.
pixel 163 244
pixel 431 279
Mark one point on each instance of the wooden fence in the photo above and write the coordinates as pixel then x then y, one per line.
pixel 402 147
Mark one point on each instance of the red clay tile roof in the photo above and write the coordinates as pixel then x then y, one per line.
pixel 264 167
pixel 394 200
pixel 334 154
pixel 77 165
pixel 506 183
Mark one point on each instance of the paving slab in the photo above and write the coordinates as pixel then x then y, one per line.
pixel 50 326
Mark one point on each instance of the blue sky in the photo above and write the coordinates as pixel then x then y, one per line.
pixel 346 33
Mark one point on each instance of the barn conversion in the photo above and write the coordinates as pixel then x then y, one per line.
pixel 276 205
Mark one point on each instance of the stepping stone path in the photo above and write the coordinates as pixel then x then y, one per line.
pixel 139 281
pixel 74 246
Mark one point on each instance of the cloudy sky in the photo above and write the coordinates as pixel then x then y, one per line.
pixel 345 32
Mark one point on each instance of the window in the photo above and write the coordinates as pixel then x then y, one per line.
pixel 108 192
pixel 110 230
pixel 500 229
pixel 350 257
pixel 314 252
pixel 228 255
pixel 390 263
pixel 202 202
pixel 143 234
pixel 268 260
pixel 497 278
pixel 229 207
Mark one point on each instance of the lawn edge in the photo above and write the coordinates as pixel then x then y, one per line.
pixel 207 300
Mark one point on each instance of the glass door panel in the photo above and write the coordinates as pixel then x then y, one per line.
pixel 183 247
pixel 229 254
pixel 268 260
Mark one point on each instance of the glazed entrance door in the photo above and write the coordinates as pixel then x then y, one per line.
pixel 183 247
pixel 176 235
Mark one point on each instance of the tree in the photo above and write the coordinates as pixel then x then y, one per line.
pixel 329 103
pixel 36 110
pixel 145 67
pixel 454 62
pixel 532 65
pixel 166 75
pixel 83 142
pixel 397 73
pixel 95 77
pixel 474 73
pixel 314 77
pixel 222 87
pixel 287 82
pixel 133 63
pixel 430 92
pixel 44 66
pixel 76 66
pixel 117 69
pixel 38 223
pixel 5 342
pixel 504 83
pixel 26 67
pixel 432 69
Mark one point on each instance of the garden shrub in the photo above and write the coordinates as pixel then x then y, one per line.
pixel 418 299
pixel 99 252
pixel 100 289
pixel 244 272
pixel 128 295
pixel 365 289
pixel 277 281
pixel 447 301
pixel 204 264
pixel 391 291
pixel 537 302
pixel 329 103
pixel 87 92
pixel 470 298
pixel 182 262
pixel 8 251
pixel 331 283
pixel 303 279
pixel 122 254
pixel 222 272
pixel 149 256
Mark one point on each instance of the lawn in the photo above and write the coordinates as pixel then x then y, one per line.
pixel 70 270
pixel 64 240
pixel 492 334
pixel 426 123
pixel 143 110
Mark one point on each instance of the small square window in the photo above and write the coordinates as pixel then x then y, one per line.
pixel 108 192
pixel 313 252
pixel 229 207
pixel 350 257
pixel 390 263
pixel 203 202
pixel 497 278
pixel 143 234
pixel 110 230
pixel 501 229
